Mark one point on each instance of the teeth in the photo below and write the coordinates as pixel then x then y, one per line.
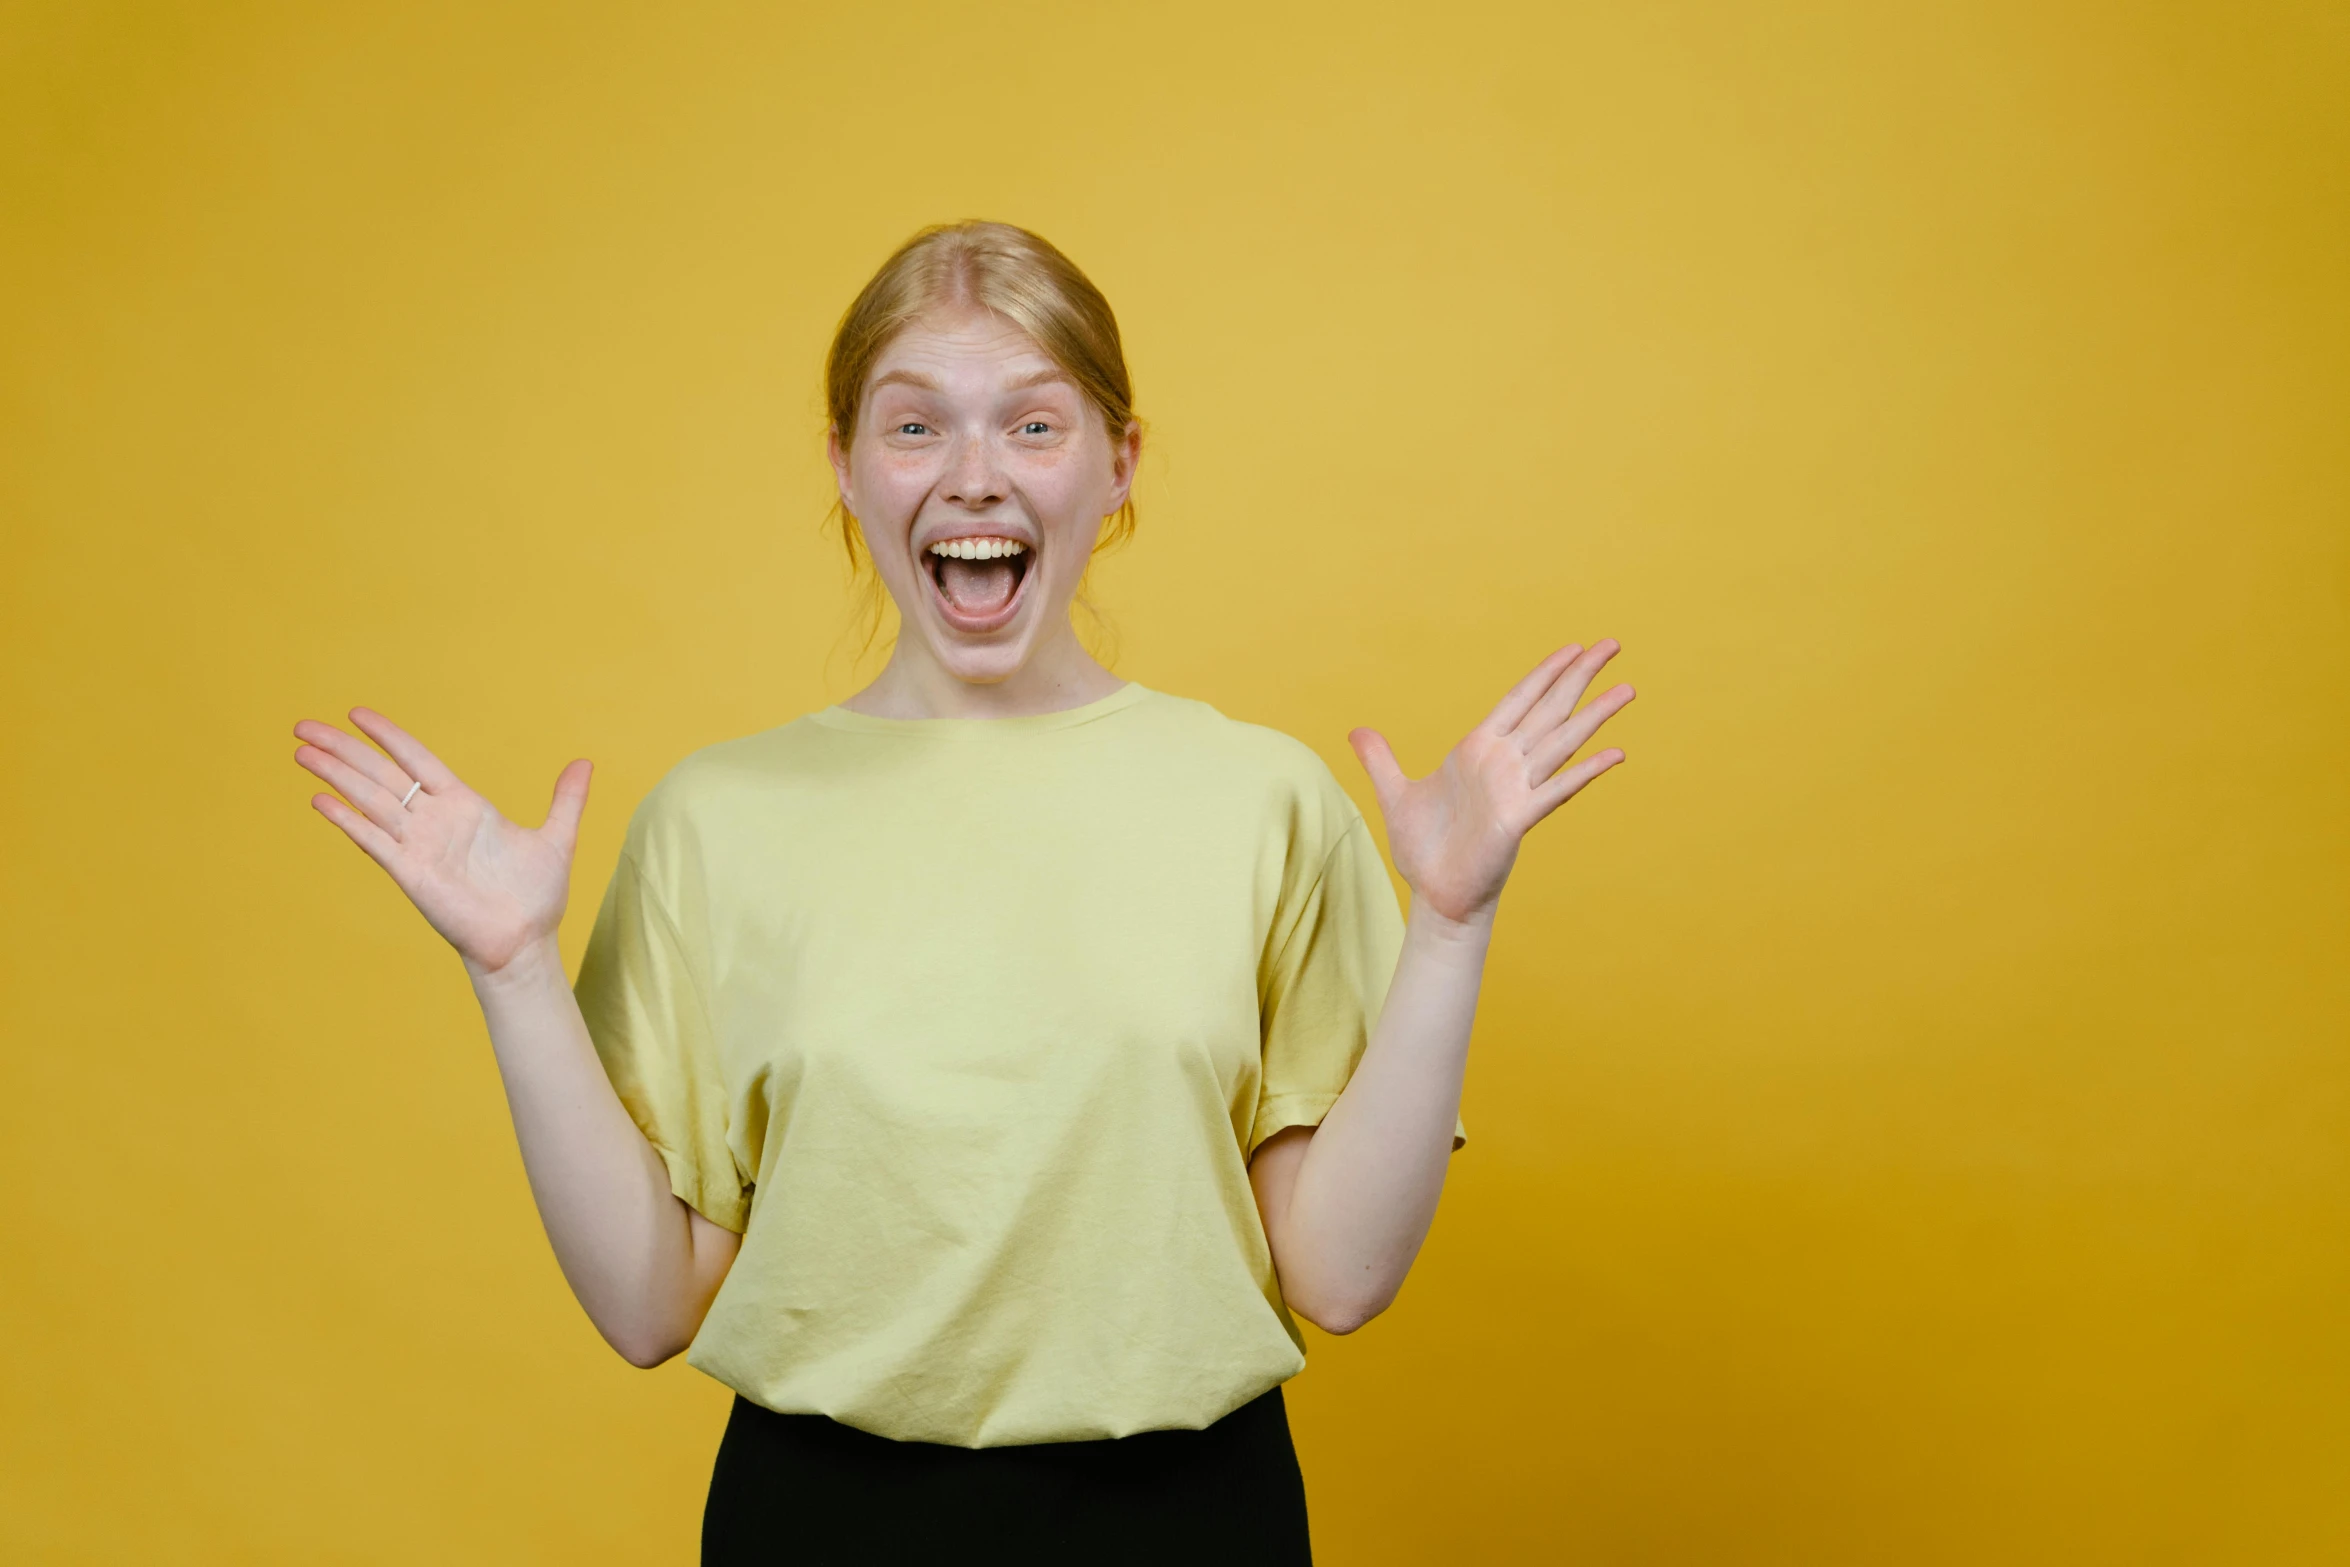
pixel 978 549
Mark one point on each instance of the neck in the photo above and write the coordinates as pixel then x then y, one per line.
pixel 1052 679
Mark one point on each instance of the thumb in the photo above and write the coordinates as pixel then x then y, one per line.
pixel 571 792
pixel 1378 759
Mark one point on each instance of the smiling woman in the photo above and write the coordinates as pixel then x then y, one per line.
pixel 980 386
pixel 990 1169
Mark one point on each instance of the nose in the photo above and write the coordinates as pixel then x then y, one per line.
pixel 974 478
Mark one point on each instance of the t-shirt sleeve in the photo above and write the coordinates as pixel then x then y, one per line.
pixel 645 1010
pixel 1330 956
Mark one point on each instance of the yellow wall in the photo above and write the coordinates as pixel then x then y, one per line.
pixel 1912 1113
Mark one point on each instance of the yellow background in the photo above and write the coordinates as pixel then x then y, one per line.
pixel 1911 1113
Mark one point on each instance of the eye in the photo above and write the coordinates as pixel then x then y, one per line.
pixel 1036 427
pixel 910 427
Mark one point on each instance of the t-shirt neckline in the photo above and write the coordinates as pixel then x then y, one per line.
pixel 837 717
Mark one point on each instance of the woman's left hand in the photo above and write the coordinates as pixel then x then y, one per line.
pixel 1455 833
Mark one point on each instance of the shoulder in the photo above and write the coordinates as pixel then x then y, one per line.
pixel 1282 770
pixel 1235 740
pixel 714 784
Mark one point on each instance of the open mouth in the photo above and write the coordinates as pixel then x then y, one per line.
pixel 978 579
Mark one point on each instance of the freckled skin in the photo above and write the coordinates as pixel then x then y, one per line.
pixel 967 427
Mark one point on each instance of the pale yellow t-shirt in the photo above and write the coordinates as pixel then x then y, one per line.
pixel 969 1027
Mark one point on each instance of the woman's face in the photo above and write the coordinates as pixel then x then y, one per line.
pixel 980 476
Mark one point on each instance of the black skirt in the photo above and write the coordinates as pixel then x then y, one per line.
pixel 805 1489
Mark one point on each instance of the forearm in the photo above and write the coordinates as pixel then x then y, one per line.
pixel 626 1244
pixel 1365 1187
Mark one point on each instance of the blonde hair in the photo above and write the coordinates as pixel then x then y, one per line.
pixel 1017 275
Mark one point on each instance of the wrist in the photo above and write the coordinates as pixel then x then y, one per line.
pixel 538 961
pixel 1475 931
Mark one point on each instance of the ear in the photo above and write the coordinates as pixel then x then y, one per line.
pixel 1125 457
pixel 838 456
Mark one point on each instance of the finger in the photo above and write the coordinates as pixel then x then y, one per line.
pixel 380 805
pixel 1527 692
pixel 378 845
pixel 1549 753
pixel 1570 783
pixel 1378 759
pixel 1559 701
pixel 406 749
pixel 354 752
pixel 571 792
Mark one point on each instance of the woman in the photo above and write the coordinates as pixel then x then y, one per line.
pixel 977 1076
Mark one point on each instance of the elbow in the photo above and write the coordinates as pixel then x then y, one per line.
pixel 1337 1323
pixel 1342 1312
pixel 641 1348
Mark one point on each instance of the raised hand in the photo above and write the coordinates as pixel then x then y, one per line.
pixel 492 887
pixel 1455 833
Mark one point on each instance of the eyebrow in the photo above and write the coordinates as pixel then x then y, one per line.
pixel 916 378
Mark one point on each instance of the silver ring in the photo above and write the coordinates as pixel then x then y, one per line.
pixel 411 794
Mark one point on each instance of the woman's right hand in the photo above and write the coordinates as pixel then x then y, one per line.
pixel 494 888
pixel 644 1264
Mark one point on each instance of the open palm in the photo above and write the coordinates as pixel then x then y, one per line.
pixel 490 886
pixel 1455 833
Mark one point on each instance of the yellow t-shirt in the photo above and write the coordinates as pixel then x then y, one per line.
pixel 969 1027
